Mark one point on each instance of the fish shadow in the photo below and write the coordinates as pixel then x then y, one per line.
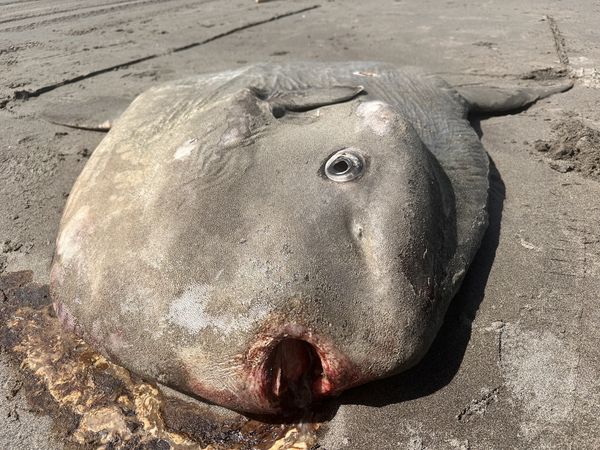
pixel 442 361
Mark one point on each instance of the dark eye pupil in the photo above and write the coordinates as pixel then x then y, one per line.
pixel 340 167
pixel 344 165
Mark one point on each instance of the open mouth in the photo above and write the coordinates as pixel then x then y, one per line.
pixel 294 366
pixel 295 375
pixel 291 368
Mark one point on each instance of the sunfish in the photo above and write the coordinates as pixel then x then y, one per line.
pixel 272 235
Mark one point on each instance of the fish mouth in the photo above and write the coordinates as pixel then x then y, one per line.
pixel 294 374
pixel 292 370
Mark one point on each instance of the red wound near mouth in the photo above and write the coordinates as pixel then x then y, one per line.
pixel 295 367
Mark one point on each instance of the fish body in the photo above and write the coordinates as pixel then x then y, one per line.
pixel 272 235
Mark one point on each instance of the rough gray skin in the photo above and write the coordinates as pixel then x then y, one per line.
pixel 202 233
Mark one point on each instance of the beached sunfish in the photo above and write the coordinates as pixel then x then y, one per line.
pixel 272 235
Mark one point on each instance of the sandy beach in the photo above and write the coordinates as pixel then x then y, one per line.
pixel 517 362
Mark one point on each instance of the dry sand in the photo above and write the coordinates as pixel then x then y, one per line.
pixel 516 364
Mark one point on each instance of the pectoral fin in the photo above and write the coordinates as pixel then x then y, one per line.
pixel 96 114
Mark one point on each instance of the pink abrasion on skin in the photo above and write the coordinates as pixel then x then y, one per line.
pixel 292 368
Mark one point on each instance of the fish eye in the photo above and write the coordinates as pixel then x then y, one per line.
pixel 345 165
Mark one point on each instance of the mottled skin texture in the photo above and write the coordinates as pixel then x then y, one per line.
pixel 202 231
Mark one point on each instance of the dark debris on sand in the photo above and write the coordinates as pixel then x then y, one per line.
pixel 575 146
pixel 97 404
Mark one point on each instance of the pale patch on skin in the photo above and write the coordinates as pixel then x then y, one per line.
pixel 231 137
pixel 68 244
pixel 366 74
pixel 184 151
pixel 378 116
pixel 106 125
pixel 458 276
pixel 189 312
pixel 128 179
